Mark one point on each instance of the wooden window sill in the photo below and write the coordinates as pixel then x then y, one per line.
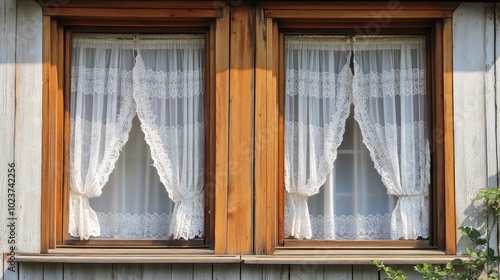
pixel 352 257
pixel 64 255
pixel 340 257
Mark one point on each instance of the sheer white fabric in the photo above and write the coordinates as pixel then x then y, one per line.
pixel 102 109
pixel 390 107
pixel 318 82
pixel 134 203
pixel 353 203
pixel 357 200
pixel 164 85
pixel 173 122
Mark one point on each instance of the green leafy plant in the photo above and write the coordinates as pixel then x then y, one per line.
pixel 390 273
pixel 483 261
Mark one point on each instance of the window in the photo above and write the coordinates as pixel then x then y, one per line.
pixel 125 89
pixel 325 152
pixel 380 194
pixel 143 83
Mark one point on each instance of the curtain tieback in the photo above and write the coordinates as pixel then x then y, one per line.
pixel 298 195
pixel 410 195
pixel 80 195
pixel 191 197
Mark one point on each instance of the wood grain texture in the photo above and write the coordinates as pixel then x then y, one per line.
pixel 365 272
pixel 240 192
pixel 127 271
pixel 251 272
pixel 28 124
pixel 276 272
pixel 119 13
pixel 182 271
pixel 53 271
pixel 340 272
pixel 311 270
pixel 226 271
pixel 222 130
pixel 29 271
pixel 157 271
pixel 261 139
pixel 7 104
pixel 469 98
pixel 490 104
pixel 81 271
pixel 202 271
pixel 266 135
pixel 449 140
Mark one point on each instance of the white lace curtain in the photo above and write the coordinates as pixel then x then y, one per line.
pixel 390 106
pixel 318 86
pixel 160 78
pixel 388 94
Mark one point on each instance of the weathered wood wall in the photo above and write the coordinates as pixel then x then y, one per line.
pixel 476 26
pixel 474 86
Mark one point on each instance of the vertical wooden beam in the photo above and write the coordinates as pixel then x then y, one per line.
pixel 262 137
pixel 490 107
pixel 7 108
pixel 266 134
pixel 62 209
pixel 28 131
pixel 449 153
pixel 438 180
pixel 497 94
pixel 240 193
pixel 221 130
pixel 47 181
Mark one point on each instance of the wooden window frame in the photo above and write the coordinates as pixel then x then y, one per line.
pixel 122 16
pixel 393 17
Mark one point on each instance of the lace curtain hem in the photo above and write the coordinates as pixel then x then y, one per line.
pixel 126 225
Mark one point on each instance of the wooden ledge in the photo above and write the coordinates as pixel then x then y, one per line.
pixel 351 256
pixel 349 259
pixel 89 258
pixel 128 256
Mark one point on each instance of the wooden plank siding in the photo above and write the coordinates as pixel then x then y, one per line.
pixel 241 87
pixel 472 104
pixel 7 104
pixel 243 92
pixel 28 130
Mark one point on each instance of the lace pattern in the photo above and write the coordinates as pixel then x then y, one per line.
pixel 100 81
pixel 410 218
pixel 406 82
pixel 310 150
pixel 357 226
pixel 126 225
pixel 317 84
pixel 178 155
pixel 95 148
pixel 401 155
pixel 179 84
